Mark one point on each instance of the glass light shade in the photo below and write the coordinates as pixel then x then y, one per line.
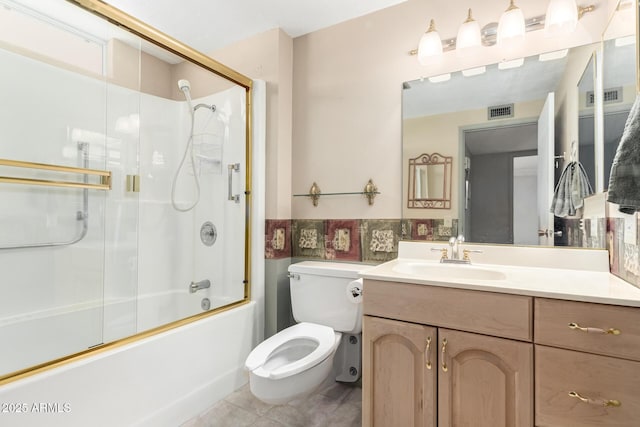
pixel 561 18
pixel 511 26
pixel 430 45
pixel 468 34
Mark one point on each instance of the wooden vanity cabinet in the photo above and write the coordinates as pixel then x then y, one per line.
pixel 423 373
pixel 437 356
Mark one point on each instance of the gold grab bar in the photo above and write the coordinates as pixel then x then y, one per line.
pixel 105 176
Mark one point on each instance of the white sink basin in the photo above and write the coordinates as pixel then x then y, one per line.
pixel 448 272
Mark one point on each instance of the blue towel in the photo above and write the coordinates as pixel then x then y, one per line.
pixel 624 181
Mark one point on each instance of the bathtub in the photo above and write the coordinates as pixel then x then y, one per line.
pixel 161 380
pixel 39 336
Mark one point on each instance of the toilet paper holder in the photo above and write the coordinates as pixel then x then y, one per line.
pixel 356 291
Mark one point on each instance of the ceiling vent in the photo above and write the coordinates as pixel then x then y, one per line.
pixel 500 112
pixel 611 96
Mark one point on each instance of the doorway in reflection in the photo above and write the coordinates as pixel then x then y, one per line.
pixel 614 122
pixel 501 184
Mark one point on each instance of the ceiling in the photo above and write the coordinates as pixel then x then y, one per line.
pixel 207 25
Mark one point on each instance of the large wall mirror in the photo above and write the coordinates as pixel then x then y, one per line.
pixel 510 129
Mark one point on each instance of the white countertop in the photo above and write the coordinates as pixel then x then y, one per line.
pixel 549 281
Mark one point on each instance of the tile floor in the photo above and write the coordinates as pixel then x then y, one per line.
pixel 332 405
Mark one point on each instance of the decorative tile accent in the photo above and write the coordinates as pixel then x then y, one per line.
pixel 278 242
pixel 433 229
pixel 308 237
pixel 343 240
pixel 406 229
pixel 380 240
pixel 594 233
pixel 422 229
pixel 631 259
pixel 613 245
pixel 277 238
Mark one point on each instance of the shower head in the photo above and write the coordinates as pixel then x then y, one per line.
pixel 184 85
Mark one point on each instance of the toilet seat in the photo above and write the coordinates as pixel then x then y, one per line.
pixel 324 337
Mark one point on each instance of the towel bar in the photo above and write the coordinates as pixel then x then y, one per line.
pixel 105 176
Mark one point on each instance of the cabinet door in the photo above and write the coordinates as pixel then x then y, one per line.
pixel 484 381
pixel 399 368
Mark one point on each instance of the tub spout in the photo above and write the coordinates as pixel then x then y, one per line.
pixel 196 286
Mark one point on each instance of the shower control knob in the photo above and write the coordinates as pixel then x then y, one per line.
pixel 208 233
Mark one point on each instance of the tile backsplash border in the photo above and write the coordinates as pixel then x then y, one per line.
pixel 353 239
pixel 372 241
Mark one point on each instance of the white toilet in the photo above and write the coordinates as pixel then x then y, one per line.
pixel 326 300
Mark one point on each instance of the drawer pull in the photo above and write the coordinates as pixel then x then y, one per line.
pixel 427 352
pixel 610 331
pixel 600 402
pixel 444 358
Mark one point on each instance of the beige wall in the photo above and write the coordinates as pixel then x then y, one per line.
pixel 441 133
pixel 347 96
pixel 568 102
pixel 269 56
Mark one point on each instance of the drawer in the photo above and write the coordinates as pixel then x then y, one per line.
pixel 501 315
pixel 598 379
pixel 552 319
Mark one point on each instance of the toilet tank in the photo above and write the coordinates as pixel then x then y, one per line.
pixel 319 294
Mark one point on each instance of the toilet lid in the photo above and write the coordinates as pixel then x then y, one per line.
pixel 326 338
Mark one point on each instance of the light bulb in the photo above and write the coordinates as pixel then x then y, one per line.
pixel 511 26
pixel 468 34
pixel 430 45
pixel 561 17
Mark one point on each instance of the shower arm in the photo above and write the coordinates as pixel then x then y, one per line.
pixel 80 215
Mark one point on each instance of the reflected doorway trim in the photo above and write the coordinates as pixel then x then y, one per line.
pixel 462 225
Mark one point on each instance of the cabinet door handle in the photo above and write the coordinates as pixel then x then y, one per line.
pixel 445 368
pixel 600 402
pixel 427 353
pixel 610 331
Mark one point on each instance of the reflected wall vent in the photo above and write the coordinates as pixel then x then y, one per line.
pixel 611 96
pixel 500 112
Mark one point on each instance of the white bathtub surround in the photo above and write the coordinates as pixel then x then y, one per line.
pixel 561 273
pixel 159 381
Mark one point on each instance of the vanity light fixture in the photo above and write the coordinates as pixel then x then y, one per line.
pixel 561 17
pixel 507 32
pixel 511 25
pixel 514 63
pixel 430 44
pixel 441 78
pixel 551 56
pixel 468 34
pixel 474 71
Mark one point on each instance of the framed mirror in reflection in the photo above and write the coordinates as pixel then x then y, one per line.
pixel 430 182
pixel 509 128
pixel 617 97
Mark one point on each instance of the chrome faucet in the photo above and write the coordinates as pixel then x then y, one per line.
pixel 454 245
pixel 196 286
